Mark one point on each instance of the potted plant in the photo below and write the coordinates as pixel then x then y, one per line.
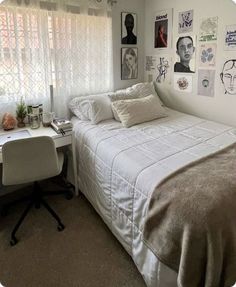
pixel 21 112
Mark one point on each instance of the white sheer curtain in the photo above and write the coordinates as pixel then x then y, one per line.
pixel 71 51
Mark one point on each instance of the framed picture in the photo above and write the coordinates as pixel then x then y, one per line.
pixel 129 63
pixel 128 28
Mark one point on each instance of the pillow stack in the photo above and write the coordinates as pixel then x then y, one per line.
pixel 131 106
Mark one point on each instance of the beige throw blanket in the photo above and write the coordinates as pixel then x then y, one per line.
pixel 191 222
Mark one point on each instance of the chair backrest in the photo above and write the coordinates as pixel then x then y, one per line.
pixel 28 160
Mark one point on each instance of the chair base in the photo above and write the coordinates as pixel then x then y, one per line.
pixel 35 200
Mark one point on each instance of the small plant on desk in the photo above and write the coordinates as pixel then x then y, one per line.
pixel 21 112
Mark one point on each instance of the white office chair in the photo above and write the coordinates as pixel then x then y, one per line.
pixel 30 160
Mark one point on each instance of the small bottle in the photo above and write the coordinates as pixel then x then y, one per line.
pixel 34 121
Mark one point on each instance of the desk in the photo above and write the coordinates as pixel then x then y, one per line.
pixel 60 141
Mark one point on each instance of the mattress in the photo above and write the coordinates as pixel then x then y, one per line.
pixel 118 169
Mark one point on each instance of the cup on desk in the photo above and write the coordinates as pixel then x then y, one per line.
pixel 47 119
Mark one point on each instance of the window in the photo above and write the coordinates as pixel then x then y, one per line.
pixel 39 48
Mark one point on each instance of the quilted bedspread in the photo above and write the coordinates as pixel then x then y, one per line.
pixel 119 168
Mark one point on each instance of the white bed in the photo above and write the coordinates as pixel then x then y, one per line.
pixel 118 169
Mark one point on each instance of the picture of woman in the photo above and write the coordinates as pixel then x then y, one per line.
pixel 161 34
pixel 129 66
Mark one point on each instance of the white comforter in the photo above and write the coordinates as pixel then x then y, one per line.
pixel 119 168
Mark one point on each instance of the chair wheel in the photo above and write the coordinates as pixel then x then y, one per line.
pixel 13 241
pixel 60 227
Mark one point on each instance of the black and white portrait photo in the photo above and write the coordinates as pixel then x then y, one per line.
pixel 128 28
pixel 129 63
pixel 185 55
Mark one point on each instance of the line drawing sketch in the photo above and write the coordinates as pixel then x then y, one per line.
pixel 228 76
pixel 162 69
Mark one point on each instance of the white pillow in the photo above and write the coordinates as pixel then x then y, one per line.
pixel 136 111
pixel 94 108
pixel 139 90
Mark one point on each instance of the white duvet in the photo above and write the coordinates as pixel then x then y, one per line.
pixel 118 169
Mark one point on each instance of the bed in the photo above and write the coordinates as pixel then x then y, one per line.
pixel 118 169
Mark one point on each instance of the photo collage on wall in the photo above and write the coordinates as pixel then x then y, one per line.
pixel 129 55
pixel 186 46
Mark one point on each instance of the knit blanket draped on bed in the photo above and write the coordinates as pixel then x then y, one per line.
pixel 191 221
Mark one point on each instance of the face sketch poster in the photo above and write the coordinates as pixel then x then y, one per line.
pixel 163 29
pixel 186 21
pixel 207 55
pixel 183 83
pixel 208 29
pixel 230 37
pixel 206 83
pixel 228 76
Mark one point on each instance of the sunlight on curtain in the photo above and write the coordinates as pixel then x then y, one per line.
pixel 81 55
pixel 38 48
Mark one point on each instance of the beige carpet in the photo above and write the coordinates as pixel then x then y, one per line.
pixel 85 254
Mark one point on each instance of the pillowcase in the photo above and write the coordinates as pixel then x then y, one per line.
pixel 94 108
pixel 139 90
pixel 140 110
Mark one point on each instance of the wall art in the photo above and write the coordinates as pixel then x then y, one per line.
pixel 230 37
pixel 128 28
pixel 183 83
pixel 129 63
pixel 207 55
pixel 163 29
pixel 185 22
pixel 158 67
pixel 163 69
pixel 206 83
pixel 185 54
pixel 208 29
pixel 228 76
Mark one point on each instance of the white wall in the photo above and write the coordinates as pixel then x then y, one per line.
pixel 221 107
pixel 134 6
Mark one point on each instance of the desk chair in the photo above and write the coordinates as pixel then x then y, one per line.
pixel 30 160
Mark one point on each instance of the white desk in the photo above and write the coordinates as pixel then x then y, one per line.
pixel 60 141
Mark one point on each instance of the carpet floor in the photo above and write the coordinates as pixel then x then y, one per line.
pixel 84 254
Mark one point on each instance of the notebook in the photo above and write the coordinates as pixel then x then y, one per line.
pixel 13 136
